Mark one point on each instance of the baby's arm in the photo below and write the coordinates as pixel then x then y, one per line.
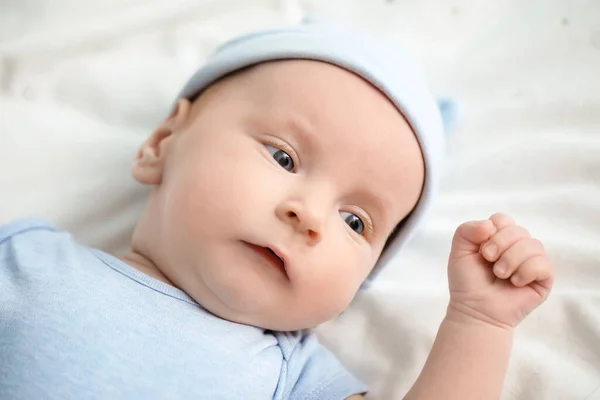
pixel 468 361
pixel 497 274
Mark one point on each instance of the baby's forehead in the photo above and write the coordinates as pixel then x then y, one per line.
pixel 317 90
pixel 317 101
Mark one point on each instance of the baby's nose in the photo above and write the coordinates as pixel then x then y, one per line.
pixel 303 219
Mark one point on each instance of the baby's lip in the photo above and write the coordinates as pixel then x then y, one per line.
pixel 271 254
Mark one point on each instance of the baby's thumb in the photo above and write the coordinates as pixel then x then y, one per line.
pixel 469 237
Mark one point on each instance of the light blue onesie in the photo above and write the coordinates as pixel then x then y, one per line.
pixel 77 323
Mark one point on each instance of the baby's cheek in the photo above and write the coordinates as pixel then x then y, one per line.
pixel 339 290
pixel 207 195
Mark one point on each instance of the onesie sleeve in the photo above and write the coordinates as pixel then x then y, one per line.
pixel 21 253
pixel 20 226
pixel 313 372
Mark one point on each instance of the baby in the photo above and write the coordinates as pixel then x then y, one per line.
pixel 293 165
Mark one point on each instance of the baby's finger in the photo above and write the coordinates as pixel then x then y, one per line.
pixel 502 220
pixel 516 255
pixel 501 241
pixel 469 236
pixel 474 231
pixel 537 268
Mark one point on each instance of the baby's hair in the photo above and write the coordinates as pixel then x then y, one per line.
pixel 395 231
pixel 392 235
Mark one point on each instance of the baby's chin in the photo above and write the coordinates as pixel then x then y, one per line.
pixel 254 294
pixel 263 309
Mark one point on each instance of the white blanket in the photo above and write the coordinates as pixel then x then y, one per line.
pixel 83 83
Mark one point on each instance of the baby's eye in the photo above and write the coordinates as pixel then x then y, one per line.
pixel 282 158
pixel 353 221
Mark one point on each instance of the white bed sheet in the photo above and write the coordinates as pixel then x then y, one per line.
pixel 83 83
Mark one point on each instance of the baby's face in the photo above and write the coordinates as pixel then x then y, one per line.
pixel 279 188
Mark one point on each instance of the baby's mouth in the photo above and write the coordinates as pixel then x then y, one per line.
pixel 275 255
pixel 270 256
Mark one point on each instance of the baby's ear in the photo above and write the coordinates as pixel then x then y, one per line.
pixel 150 159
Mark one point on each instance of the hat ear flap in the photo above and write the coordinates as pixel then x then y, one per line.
pixel 451 113
pixel 312 17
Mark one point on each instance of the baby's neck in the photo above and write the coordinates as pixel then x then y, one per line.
pixel 145 265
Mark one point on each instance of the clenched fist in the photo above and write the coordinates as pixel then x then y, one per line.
pixel 497 272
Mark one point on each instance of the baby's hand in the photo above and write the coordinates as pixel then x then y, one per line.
pixel 497 272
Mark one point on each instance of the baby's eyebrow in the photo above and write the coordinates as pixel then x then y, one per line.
pixel 301 128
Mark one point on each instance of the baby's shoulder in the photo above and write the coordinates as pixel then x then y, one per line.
pixel 24 228
pixel 34 246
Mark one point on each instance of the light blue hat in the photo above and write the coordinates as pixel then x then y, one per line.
pixel 391 70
